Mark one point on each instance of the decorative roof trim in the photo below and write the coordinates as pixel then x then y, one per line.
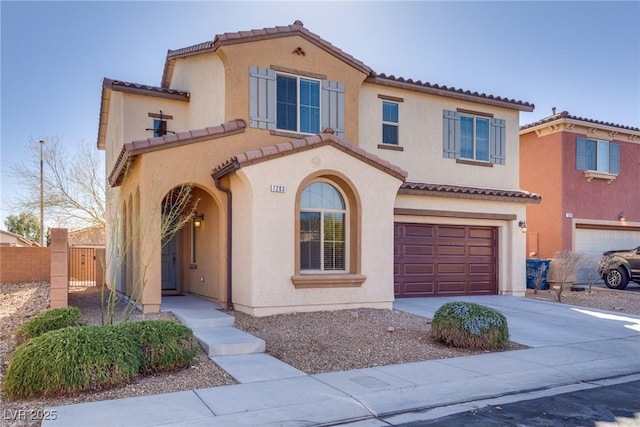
pixel 450 92
pixel 565 117
pixel 297 145
pixel 296 29
pixel 131 150
pixel 463 192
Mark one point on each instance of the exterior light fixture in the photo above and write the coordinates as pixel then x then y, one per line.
pixel 621 216
pixel 197 220
pixel 523 226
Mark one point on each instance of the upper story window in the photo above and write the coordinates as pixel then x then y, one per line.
pixel 323 223
pixel 600 156
pixel 159 127
pixel 159 123
pixel 389 122
pixel 474 136
pixel 298 104
pixel 292 102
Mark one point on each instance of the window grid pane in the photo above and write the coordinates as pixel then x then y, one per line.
pixel 310 240
pixel 389 134
pixel 287 95
pixel 482 139
pixel 466 137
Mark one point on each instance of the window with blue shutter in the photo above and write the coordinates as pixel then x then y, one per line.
pixel 473 137
pixel 280 101
pixel 599 156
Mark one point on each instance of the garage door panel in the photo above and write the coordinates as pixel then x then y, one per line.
pixel 411 250
pixel 432 260
pixel 451 231
pixel 418 269
pixel 451 250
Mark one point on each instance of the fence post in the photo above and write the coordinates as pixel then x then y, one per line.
pixel 59 282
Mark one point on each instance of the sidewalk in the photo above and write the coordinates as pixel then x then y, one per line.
pixel 571 348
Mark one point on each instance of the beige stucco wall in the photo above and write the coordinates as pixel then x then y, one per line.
pixel 420 133
pixel 203 77
pixel 279 52
pixel 264 235
pixel 511 240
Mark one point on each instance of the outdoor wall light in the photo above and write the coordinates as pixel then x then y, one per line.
pixel 197 220
pixel 523 226
pixel 621 216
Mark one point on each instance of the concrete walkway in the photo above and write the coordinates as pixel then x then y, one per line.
pixel 571 348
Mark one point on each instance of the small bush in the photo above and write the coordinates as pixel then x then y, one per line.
pixel 49 320
pixel 72 359
pixel 165 345
pixel 469 325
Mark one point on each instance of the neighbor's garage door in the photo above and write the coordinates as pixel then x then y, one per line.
pixel 445 260
pixel 592 242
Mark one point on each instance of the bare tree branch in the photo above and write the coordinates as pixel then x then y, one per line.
pixel 74 188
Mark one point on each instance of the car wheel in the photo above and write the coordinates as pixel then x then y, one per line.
pixel 616 278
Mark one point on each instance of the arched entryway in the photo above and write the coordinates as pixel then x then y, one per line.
pixel 192 256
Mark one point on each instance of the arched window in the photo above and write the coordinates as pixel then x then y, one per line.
pixel 323 229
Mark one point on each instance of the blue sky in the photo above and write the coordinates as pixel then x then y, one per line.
pixel 583 57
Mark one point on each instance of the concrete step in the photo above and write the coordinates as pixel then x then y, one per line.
pixel 250 368
pixel 203 318
pixel 227 341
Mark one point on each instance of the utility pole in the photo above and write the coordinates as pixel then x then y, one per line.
pixel 41 197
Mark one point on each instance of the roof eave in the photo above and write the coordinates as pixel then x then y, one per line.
pixel 451 94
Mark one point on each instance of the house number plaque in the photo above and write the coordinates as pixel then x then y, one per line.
pixel 278 188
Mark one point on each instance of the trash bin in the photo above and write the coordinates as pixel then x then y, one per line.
pixel 533 266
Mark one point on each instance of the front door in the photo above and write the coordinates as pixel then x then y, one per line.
pixel 170 264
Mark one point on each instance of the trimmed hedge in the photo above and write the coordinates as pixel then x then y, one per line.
pixel 470 325
pixel 72 359
pixel 165 345
pixel 49 320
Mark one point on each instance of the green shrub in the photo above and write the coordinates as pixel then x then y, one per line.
pixel 49 320
pixel 469 325
pixel 72 359
pixel 165 345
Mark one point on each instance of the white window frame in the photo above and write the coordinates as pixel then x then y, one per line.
pixel 347 230
pixel 393 124
pixel 474 137
pixel 298 78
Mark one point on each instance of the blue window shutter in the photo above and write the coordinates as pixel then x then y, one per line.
pixel 581 154
pixel 497 141
pixel 614 158
pixel 262 98
pixel 333 107
pixel 451 134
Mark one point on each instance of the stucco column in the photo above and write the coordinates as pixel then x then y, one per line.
pixel 59 282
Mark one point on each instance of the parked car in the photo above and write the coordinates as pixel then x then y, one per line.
pixel 619 267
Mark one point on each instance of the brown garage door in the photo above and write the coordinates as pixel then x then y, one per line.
pixel 445 260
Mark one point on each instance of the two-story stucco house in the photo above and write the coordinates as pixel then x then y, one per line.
pixel 587 174
pixel 321 184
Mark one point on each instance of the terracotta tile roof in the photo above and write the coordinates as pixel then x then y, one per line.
pixel 297 28
pixel 290 147
pixel 450 91
pixel 145 89
pixel 566 115
pixel 134 148
pixel 442 190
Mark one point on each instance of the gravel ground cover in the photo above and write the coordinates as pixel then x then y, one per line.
pixel 312 342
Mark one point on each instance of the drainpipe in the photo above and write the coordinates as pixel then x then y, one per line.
pixel 217 175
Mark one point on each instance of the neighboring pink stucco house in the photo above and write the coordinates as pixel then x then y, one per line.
pixel 321 184
pixel 587 174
